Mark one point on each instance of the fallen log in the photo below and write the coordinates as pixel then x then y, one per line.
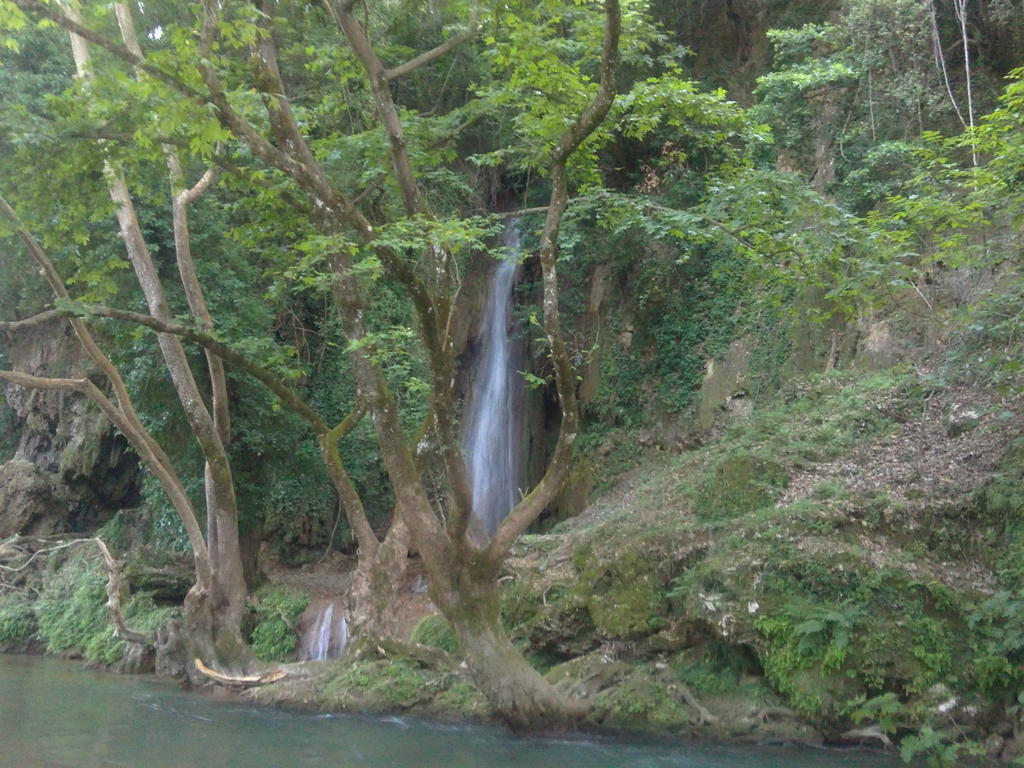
pixel 240 681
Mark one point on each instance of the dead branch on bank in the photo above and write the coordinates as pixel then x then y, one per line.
pixel 240 681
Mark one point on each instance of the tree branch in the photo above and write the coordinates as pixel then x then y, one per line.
pixel 147 448
pixel 327 437
pixel 52 13
pixel 209 341
pixel 123 416
pixel 355 512
pixel 116 592
pixel 432 309
pixel 199 188
pixel 13 326
pixel 435 53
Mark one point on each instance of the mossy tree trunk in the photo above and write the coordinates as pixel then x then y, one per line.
pixel 514 689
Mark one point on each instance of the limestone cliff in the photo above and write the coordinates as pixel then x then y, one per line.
pixel 70 470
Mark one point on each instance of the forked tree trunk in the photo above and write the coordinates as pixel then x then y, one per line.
pixel 464 578
pixel 377 583
pixel 213 612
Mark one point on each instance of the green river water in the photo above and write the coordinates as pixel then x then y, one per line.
pixel 54 714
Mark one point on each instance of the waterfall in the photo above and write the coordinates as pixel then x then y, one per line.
pixel 492 420
pixel 340 637
pixel 325 638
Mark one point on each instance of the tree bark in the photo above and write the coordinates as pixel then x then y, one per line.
pixel 227 591
pixel 514 689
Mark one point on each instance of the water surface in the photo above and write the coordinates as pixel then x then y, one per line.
pixel 54 713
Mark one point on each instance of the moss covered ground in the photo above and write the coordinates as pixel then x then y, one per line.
pixel 841 565
pixel 845 559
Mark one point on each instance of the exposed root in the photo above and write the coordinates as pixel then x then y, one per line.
pixel 385 647
pixel 765 714
pixel 704 717
pixel 869 733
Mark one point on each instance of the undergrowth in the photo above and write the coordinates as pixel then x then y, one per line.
pixel 277 611
pixel 72 611
pixel 17 621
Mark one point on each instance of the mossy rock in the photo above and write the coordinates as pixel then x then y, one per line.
pixel 553 622
pixel 166 576
pixel 370 682
pixel 435 631
pixel 739 483
pixel 379 685
pixel 587 676
pixel 625 594
pixel 644 701
pixel 463 699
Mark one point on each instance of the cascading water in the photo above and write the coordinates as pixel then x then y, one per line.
pixel 325 638
pixel 492 420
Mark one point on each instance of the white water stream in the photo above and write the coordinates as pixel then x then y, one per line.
pixel 325 638
pixel 492 419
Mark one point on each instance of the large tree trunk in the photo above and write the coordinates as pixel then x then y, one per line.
pixel 201 633
pixel 214 611
pixel 377 582
pixel 516 691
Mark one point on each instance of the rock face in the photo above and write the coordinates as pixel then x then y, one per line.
pixel 70 470
pixel 28 504
pixel 725 387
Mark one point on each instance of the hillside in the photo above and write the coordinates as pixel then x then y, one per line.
pixel 732 449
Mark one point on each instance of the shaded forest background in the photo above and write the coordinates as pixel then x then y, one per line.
pixel 783 191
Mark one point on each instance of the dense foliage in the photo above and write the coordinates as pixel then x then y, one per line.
pixel 875 173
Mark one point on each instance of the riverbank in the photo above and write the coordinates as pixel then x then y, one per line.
pixel 837 567
pixel 129 720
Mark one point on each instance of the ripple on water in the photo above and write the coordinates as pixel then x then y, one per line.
pixel 54 714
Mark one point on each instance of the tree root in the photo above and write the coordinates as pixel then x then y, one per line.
pixel 387 647
pixel 764 714
pixel 871 732
pixel 704 717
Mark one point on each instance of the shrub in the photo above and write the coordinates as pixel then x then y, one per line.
pixel 277 612
pixel 17 621
pixel 72 611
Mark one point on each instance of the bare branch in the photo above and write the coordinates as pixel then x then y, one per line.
pixel 116 592
pixel 12 326
pixel 222 350
pixel 435 53
pixel 204 183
